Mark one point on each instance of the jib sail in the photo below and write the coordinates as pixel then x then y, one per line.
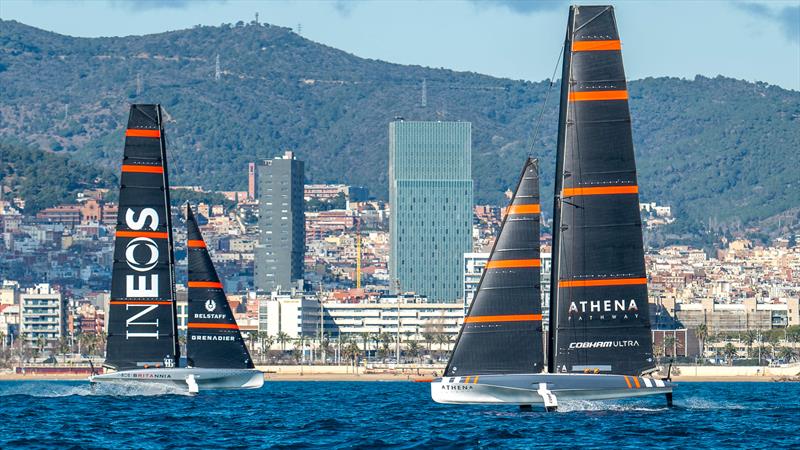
pixel 502 332
pixel 599 307
pixel 213 339
pixel 142 331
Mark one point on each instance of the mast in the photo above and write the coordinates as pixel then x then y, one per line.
pixel 213 339
pixel 142 331
pixel 502 332
pixel 599 307
pixel 562 132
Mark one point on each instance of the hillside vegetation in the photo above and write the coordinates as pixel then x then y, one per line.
pixel 718 150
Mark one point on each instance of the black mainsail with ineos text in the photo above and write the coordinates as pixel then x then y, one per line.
pixel 142 330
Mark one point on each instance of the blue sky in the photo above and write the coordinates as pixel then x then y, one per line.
pixel 515 39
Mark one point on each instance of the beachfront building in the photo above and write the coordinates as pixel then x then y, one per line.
pixel 749 314
pixel 297 315
pixel 43 316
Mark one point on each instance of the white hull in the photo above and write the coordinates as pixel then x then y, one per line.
pixel 193 379
pixel 531 389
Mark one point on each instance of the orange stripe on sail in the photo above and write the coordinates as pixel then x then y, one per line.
pixel 505 318
pixel 600 190
pixel 225 326
pixel 205 284
pixel 140 302
pixel 139 132
pixel 524 209
pixel 636 381
pixel 147 234
pixel 587 96
pixel 605 282
pixel 196 243
pixel 513 263
pixel 592 46
pixel 475 381
pixel 628 382
pixel 142 169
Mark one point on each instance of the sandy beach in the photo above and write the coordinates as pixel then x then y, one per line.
pixel 345 373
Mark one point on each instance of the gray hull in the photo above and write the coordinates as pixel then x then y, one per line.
pixel 531 389
pixel 183 377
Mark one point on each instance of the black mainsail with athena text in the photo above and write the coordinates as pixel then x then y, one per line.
pixel 213 338
pixel 502 332
pixel 599 317
pixel 142 330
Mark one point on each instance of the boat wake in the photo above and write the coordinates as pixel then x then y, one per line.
pixel 50 389
pixel 689 404
pixel 699 403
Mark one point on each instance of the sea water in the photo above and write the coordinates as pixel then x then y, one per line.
pixel 331 415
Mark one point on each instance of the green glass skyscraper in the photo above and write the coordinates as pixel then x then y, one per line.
pixel 430 196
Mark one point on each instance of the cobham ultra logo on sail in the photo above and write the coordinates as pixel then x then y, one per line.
pixel 142 330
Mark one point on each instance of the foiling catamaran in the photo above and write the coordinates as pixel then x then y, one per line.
pixel 142 343
pixel 599 342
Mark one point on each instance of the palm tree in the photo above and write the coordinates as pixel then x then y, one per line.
pixel 669 343
pixel 413 349
pixel 282 339
pixel 788 354
pixel 366 337
pixel 701 331
pixel 266 342
pixel 442 339
pixel 730 352
pixel 63 346
pixel 386 340
pixel 427 336
pixel 40 344
pixel 748 339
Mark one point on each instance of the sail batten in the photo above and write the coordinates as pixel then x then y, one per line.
pixel 213 338
pixel 142 330
pixel 599 284
pixel 502 332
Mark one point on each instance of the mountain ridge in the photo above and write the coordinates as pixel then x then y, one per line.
pixel 703 145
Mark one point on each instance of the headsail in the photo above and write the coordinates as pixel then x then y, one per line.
pixel 599 307
pixel 213 339
pixel 502 332
pixel 142 330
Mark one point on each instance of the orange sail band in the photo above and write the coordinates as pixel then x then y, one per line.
pixel 225 326
pixel 146 234
pixel 606 282
pixel 586 96
pixel 593 46
pixel 504 318
pixel 142 169
pixel 513 263
pixel 628 381
pixel 196 243
pixel 138 132
pixel 205 284
pixel 524 209
pixel 601 190
pixel 140 302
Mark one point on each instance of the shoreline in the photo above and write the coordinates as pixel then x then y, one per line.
pixel 399 377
